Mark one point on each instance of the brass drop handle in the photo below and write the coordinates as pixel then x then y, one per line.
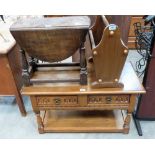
pixel 108 99
pixel 57 101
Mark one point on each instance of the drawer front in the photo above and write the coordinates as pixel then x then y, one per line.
pixel 87 101
pixel 57 101
pixel 95 100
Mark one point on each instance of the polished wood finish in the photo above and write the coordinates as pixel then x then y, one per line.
pixel 125 23
pixel 128 78
pixel 83 66
pixel 106 44
pixel 122 21
pixel 83 103
pixel 90 117
pixel 105 104
pixel 51 39
pixel 90 121
pixel 10 67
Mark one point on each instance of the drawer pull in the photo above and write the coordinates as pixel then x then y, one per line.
pixel 108 99
pixel 57 101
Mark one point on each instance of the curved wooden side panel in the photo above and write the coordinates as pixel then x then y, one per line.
pixel 109 57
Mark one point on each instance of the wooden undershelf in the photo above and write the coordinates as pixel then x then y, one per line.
pixel 83 121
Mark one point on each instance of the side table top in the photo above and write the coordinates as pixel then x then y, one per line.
pixel 71 22
pixel 132 85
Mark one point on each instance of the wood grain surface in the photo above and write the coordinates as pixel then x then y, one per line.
pixel 51 39
pixel 128 78
pixel 83 121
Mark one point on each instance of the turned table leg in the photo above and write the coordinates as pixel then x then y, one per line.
pixel 40 122
pixel 83 71
pixel 127 120
pixel 37 113
pixel 25 73
pixel 32 63
pixel 126 125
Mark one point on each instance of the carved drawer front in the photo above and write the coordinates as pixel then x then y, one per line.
pixel 108 99
pixel 62 101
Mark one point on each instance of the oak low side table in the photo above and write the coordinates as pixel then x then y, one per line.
pixel 70 107
pixel 10 69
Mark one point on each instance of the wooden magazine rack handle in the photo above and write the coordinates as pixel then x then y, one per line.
pixel 108 53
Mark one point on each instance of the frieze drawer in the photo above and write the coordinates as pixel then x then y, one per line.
pixel 63 101
pixel 108 99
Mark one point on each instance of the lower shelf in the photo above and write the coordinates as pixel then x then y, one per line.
pixel 83 121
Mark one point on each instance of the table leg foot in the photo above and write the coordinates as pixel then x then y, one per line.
pixel 40 123
pixel 126 125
